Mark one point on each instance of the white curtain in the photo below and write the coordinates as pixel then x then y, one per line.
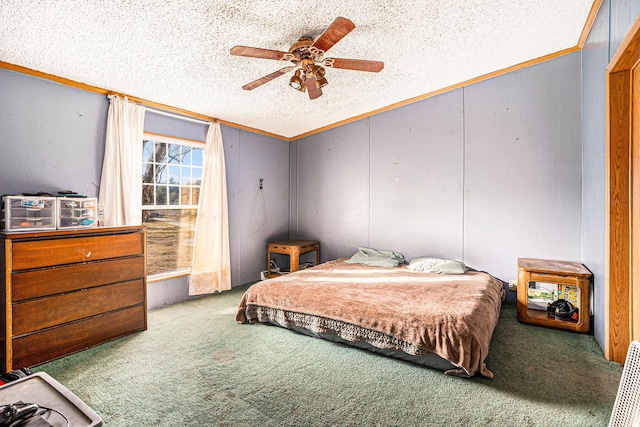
pixel 211 268
pixel 120 185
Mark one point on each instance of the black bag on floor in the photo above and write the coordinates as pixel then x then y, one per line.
pixel 7 377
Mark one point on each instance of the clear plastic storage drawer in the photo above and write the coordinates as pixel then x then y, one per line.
pixel 26 213
pixel 77 212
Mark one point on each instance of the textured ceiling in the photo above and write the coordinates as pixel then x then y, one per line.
pixel 176 52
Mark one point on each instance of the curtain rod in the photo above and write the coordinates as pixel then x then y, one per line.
pixel 177 116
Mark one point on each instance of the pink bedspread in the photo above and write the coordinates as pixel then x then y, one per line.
pixel 452 316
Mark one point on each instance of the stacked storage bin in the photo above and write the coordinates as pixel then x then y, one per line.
pixel 26 213
pixel 31 213
pixel 77 212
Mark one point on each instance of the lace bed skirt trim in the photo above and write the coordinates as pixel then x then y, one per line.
pixel 323 325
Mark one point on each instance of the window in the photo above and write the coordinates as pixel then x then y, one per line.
pixel 171 177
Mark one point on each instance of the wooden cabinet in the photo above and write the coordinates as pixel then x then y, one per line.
pixel 66 291
pixel 560 275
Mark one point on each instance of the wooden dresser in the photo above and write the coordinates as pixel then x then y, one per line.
pixel 69 290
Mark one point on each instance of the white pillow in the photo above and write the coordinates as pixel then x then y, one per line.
pixel 437 265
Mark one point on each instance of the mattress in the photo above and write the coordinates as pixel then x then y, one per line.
pixel 444 321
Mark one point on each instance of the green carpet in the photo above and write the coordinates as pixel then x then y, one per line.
pixel 195 366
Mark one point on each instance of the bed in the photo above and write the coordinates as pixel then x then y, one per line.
pixel 444 321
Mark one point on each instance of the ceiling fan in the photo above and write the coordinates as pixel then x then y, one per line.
pixel 308 62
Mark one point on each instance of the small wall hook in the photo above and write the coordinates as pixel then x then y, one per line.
pixel 261 181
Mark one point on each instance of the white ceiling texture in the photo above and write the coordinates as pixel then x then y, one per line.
pixel 176 52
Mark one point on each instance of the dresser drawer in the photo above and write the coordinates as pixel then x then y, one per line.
pixel 55 280
pixel 34 349
pixel 50 252
pixel 37 314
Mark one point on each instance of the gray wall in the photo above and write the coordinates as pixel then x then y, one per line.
pixel 417 178
pixel 52 138
pixel 485 174
pixel 256 216
pixel 612 23
pixel 392 181
pixel 332 198
pixel 523 166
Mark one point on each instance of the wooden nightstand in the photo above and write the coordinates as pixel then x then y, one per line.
pixel 293 248
pixel 567 278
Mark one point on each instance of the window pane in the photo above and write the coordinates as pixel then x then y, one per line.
pixel 186 176
pixel 169 239
pixel 196 176
pixel 174 174
pixel 197 157
pixel 185 195
pixel 195 195
pixel 161 174
pixel 147 151
pixel 186 154
pixel 161 152
pixel 161 195
pixel 147 173
pixel 175 154
pixel 147 195
pixel 174 195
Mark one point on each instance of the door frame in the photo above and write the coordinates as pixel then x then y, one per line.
pixel 622 269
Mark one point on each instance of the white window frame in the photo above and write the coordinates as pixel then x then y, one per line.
pixel 149 136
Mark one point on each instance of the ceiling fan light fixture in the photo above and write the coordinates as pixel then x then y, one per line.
pixel 317 71
pixel 321 82
pixel 296 81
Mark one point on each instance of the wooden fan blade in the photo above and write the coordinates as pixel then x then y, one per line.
pixel 256 52
pixel 354 64
pixel 312 89
pixel 332 35
pixel 266 79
